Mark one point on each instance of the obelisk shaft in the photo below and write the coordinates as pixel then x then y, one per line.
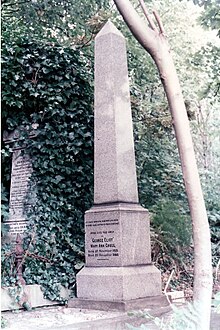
pixel 115 170
pixel 118 271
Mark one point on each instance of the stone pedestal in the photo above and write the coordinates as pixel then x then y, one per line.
pixel 119 288
pixel 118 283
pixel 118 256
pixel 118 272
pixel 117 235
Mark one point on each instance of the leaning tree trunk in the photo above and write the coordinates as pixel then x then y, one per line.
pixel 155 43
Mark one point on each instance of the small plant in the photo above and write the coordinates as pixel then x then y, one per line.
pixel 4 322
pixel 172 225
pixel 216 302
pixel 19 297
pixel 181 319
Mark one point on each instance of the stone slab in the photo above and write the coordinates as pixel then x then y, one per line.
pixel 122 322
pixel 117 235
pixel 16 135
pixel 28 293
pixel 118 283
pixel 129 305
pixel 176 297
pixel 18 205
pixel 63 318
pixel 16 227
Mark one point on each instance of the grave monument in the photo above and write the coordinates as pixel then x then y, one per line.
pixel 118 273
pixel 20 175
pixel 18 206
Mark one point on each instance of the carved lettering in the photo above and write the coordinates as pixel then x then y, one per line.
pixel 21 172
pixel 102 244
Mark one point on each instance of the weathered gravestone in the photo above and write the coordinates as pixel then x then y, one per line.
pixel 20 176
pixel 118 271
pixel 21 199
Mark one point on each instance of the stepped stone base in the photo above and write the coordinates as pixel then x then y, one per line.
pixel 151 303
pixel 118 287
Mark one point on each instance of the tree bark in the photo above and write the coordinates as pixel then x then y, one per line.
pixel 154 42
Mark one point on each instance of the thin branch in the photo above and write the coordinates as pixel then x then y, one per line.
pixel 40 257
pixel 216 271
pixel 159 22
pixel 168 282
pixel 90 39
pixel 146 14
pixel 217 90
pixel 145 35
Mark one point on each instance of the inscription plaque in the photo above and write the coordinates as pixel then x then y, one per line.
pixel 20 175
pixel 103 241
pixel 17 227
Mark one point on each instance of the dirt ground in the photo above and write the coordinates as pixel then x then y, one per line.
pixel 53 317
pixel 63 318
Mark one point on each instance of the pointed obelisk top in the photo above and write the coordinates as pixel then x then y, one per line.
pixel 109 28
pixel 114 165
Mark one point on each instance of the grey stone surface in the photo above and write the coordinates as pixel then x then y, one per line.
pixel 118 283
pixel 117 230
pixel 115 171
pixel 117 235
pixel 152 303
pixel 63 318
pixel 20 175
pixel 21 171
pixel 31 294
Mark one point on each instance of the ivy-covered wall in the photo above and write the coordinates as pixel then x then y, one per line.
pixel 47 89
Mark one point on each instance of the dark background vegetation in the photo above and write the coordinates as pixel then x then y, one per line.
pixel 47 87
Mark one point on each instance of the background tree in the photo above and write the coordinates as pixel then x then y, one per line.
pixel 154 42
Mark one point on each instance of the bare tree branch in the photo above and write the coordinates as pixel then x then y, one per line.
pixel 147 15
pixel 157 46
pixel 146 36
pixel 159 22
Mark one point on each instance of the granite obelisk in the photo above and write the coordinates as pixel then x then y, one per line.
pixel 118 266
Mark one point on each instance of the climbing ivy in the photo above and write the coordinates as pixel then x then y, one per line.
pixel 47 92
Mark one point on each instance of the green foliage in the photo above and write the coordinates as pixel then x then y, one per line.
pixel 211 15
pixel 19 297
pixel 207 59
pixel 4 322
pixel 47 90
pixel 216 302
pixel 182 318
pixel 8 271
pixel 171 226
pixel 66 22
pixel 4 207
pixel 214 221
pixel 6 158
pixel 159 169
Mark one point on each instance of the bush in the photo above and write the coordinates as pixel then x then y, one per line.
pixel 47 89
pixel 171 226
